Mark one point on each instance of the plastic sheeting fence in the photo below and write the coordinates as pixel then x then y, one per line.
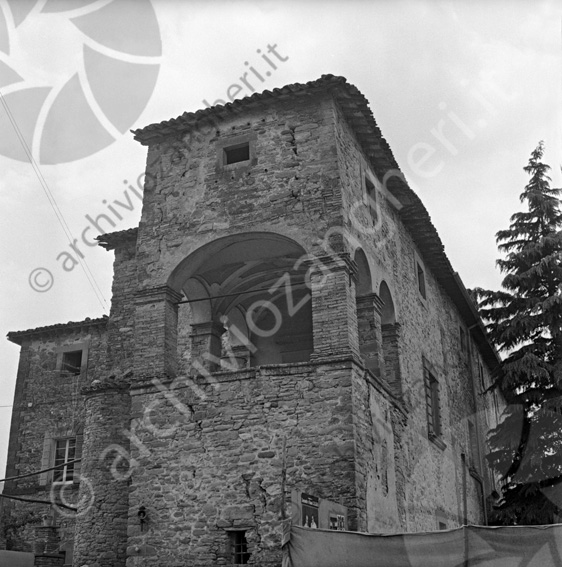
pixel 472 546
pixel 16 559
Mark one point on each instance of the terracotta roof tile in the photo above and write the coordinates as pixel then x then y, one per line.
pixel 110 240
pixel 18 336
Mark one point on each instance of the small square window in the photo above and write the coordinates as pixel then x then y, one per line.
pixel 237 153
pixel 65 450
pixel 71 362
pixel 238 547
pixel 421 280
pixel 441 525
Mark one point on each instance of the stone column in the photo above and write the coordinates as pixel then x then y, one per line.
pixel 369 309
pixel 206 346
pixel 46 547
pixel 241 355
pixel 156 332
pixel 391 353
pixel 334 315
pixel 101 520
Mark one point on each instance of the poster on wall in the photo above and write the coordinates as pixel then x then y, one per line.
pixel 337 522
pixel 309 510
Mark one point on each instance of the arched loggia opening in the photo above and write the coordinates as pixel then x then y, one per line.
pixel 246 303
pixel 390 340
pixel 368 315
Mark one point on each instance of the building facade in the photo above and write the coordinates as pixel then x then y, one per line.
pixel 286 338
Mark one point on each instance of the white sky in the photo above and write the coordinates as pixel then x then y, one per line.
pixel 487 73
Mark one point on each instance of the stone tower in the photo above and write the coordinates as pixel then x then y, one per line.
pixel 284 321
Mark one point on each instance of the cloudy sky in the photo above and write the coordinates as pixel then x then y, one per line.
pixel 469 86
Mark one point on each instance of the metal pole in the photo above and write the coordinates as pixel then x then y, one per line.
pixel 465 509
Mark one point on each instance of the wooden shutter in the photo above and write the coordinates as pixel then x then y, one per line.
pixel 78 455
pixel 46 459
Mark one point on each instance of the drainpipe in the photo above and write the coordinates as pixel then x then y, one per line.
pixel 477 433
pixel 465 510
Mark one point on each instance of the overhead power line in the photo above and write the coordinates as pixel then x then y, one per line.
pixel 52 201
pixel 35 501
pixel 39 472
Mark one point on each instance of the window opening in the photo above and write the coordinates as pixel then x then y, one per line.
pixel 496 406
pixel 236 154
pixel 421 280
pixel 65 450
pixel 462 335
pixel 473 446
pixel 432 400
pixel 481 374
pixel 71 362
pixel 371 195
pixel 239 547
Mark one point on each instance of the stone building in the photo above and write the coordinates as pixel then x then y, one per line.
pixel 286 338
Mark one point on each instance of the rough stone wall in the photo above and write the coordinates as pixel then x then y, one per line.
pixel 48 405
pixel 376 483
pixel 221 466
pixel 120 327
pixel 429 476
pixel 51 401
pixel 291 190
pixel 101 524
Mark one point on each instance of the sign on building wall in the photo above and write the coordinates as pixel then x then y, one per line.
pixel 337 522
pixel 309 506
pixel 313 512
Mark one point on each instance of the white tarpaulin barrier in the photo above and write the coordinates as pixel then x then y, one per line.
pixel 472 546
pixel 16 559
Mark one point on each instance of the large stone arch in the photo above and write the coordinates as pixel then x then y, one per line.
pixel 237 284
pixel 390 340
pixel 388 313
pixel 368 314
pixel 364 284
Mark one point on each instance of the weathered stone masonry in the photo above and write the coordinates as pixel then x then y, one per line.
pixel 269 333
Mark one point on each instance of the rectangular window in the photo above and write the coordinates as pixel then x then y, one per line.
pixel 65 450
pixel 474 455
pixel 432 404
pixel 481 376
pixel 462 339
pixel 239 547
pixel 421 280
pixel 237 153
pixel 71 362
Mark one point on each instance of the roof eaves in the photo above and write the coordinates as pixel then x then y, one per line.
pixel 18 337
pixel 111 240
pixel 187 121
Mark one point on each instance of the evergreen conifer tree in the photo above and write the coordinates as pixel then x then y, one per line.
pixel 524 321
